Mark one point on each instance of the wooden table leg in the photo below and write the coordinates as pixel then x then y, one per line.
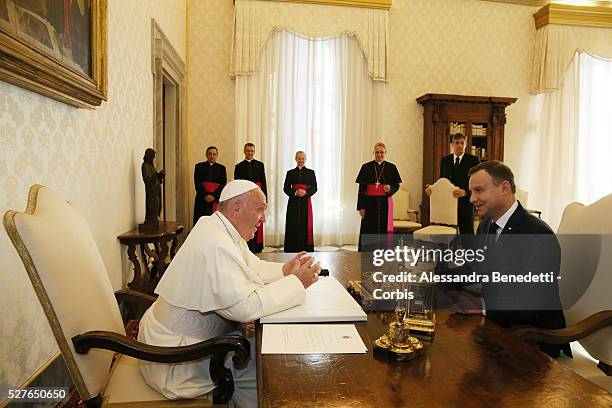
pixel 163 254
pixel 135 284
pixel 173 246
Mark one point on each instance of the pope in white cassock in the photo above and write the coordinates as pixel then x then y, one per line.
pixel 212 283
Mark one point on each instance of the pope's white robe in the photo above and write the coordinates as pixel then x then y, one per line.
pixel 213 282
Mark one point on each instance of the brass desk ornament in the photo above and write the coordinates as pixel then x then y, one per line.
pixel 411 315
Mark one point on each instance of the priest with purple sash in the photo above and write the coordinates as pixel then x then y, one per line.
pixel 378 181
pixel 209 178
pixel 300 186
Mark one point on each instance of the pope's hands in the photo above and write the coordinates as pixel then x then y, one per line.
pixel 302 267
pixel 362 212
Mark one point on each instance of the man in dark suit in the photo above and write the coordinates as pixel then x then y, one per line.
pixel 455 167
pixel 253 170
pixel 516 244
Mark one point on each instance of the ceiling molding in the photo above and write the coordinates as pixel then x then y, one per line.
pixel 376 4
pixel 573 15
pixel 523 2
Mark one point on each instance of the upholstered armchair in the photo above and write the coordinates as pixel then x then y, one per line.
pixel 62 261
pixel 402 213
pixel 443 226
pixel 585 236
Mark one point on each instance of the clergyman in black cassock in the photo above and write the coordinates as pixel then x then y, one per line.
pixel 300 186
pixel 378 181
pixel 253 170
pixel 455 167
pixel 209 178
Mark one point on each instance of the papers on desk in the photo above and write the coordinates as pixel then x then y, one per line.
pixel 326 301
pixel 311 339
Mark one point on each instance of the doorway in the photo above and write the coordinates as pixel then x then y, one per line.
pixel 169 126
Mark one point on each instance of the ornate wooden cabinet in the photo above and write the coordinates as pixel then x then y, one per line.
pixel 480 118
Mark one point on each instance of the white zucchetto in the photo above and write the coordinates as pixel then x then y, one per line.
pixel 235 188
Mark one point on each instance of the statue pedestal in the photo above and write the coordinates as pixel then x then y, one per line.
pixel 157 248
pixel 148 227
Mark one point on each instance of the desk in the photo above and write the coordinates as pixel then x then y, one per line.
pixel 470 363
pixel 163 243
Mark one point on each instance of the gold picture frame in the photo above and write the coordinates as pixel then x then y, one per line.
pixel 59 52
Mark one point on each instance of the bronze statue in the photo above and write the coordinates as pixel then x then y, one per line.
pixel 152 180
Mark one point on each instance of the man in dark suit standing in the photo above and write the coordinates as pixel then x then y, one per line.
pixel 253 170
pixel 517 244
pixel 455 167
pixel 209 178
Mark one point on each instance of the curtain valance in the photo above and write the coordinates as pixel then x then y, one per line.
pixel 555 46
pixel 255 21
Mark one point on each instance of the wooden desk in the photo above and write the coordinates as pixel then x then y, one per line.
pixel 153 244
pixel 470 363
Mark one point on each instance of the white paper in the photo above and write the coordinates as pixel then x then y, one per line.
pixel 326 301
pixel 311 339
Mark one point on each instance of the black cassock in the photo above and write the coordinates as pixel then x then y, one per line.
pixel 208 180
pixel 375 201
pixel 253 171
pixel 298 224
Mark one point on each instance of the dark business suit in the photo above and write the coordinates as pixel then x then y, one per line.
pixel 458 175
pixel 526 244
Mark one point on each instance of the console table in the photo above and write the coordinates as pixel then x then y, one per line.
pixel 153 244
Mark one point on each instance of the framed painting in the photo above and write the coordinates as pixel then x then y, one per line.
pixel 56 48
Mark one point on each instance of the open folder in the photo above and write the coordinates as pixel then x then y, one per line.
pixel 326 301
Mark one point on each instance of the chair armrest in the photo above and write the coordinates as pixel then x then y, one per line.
pixel 216 348
pixel 133 304
pixel 535 212
pixel 118 343
pixel 578 331
pixel 134 297
pixel 415 212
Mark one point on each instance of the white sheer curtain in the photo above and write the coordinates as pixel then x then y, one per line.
pixel 572 157
pixel 313 95
pixel 594 156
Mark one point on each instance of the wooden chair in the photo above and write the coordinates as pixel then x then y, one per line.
pixel 443 226
pixel 402 213
pixel 585 236
pixel 523 196
pixel 66 270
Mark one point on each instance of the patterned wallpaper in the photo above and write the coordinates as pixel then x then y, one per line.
pixel 91 157
pixel 443 46
pixel 211 92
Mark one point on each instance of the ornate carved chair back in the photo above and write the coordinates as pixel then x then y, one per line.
pixel 62 261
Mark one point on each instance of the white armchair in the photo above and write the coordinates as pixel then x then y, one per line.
pixel 402 212
pixel 585 236
pixel 66 270
pixel 442 214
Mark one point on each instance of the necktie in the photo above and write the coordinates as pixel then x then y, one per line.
pixel 456 161
pixel 492 238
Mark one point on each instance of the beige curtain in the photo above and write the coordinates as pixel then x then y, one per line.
pixel 255 21
pixel 313 95
pixel 554 49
